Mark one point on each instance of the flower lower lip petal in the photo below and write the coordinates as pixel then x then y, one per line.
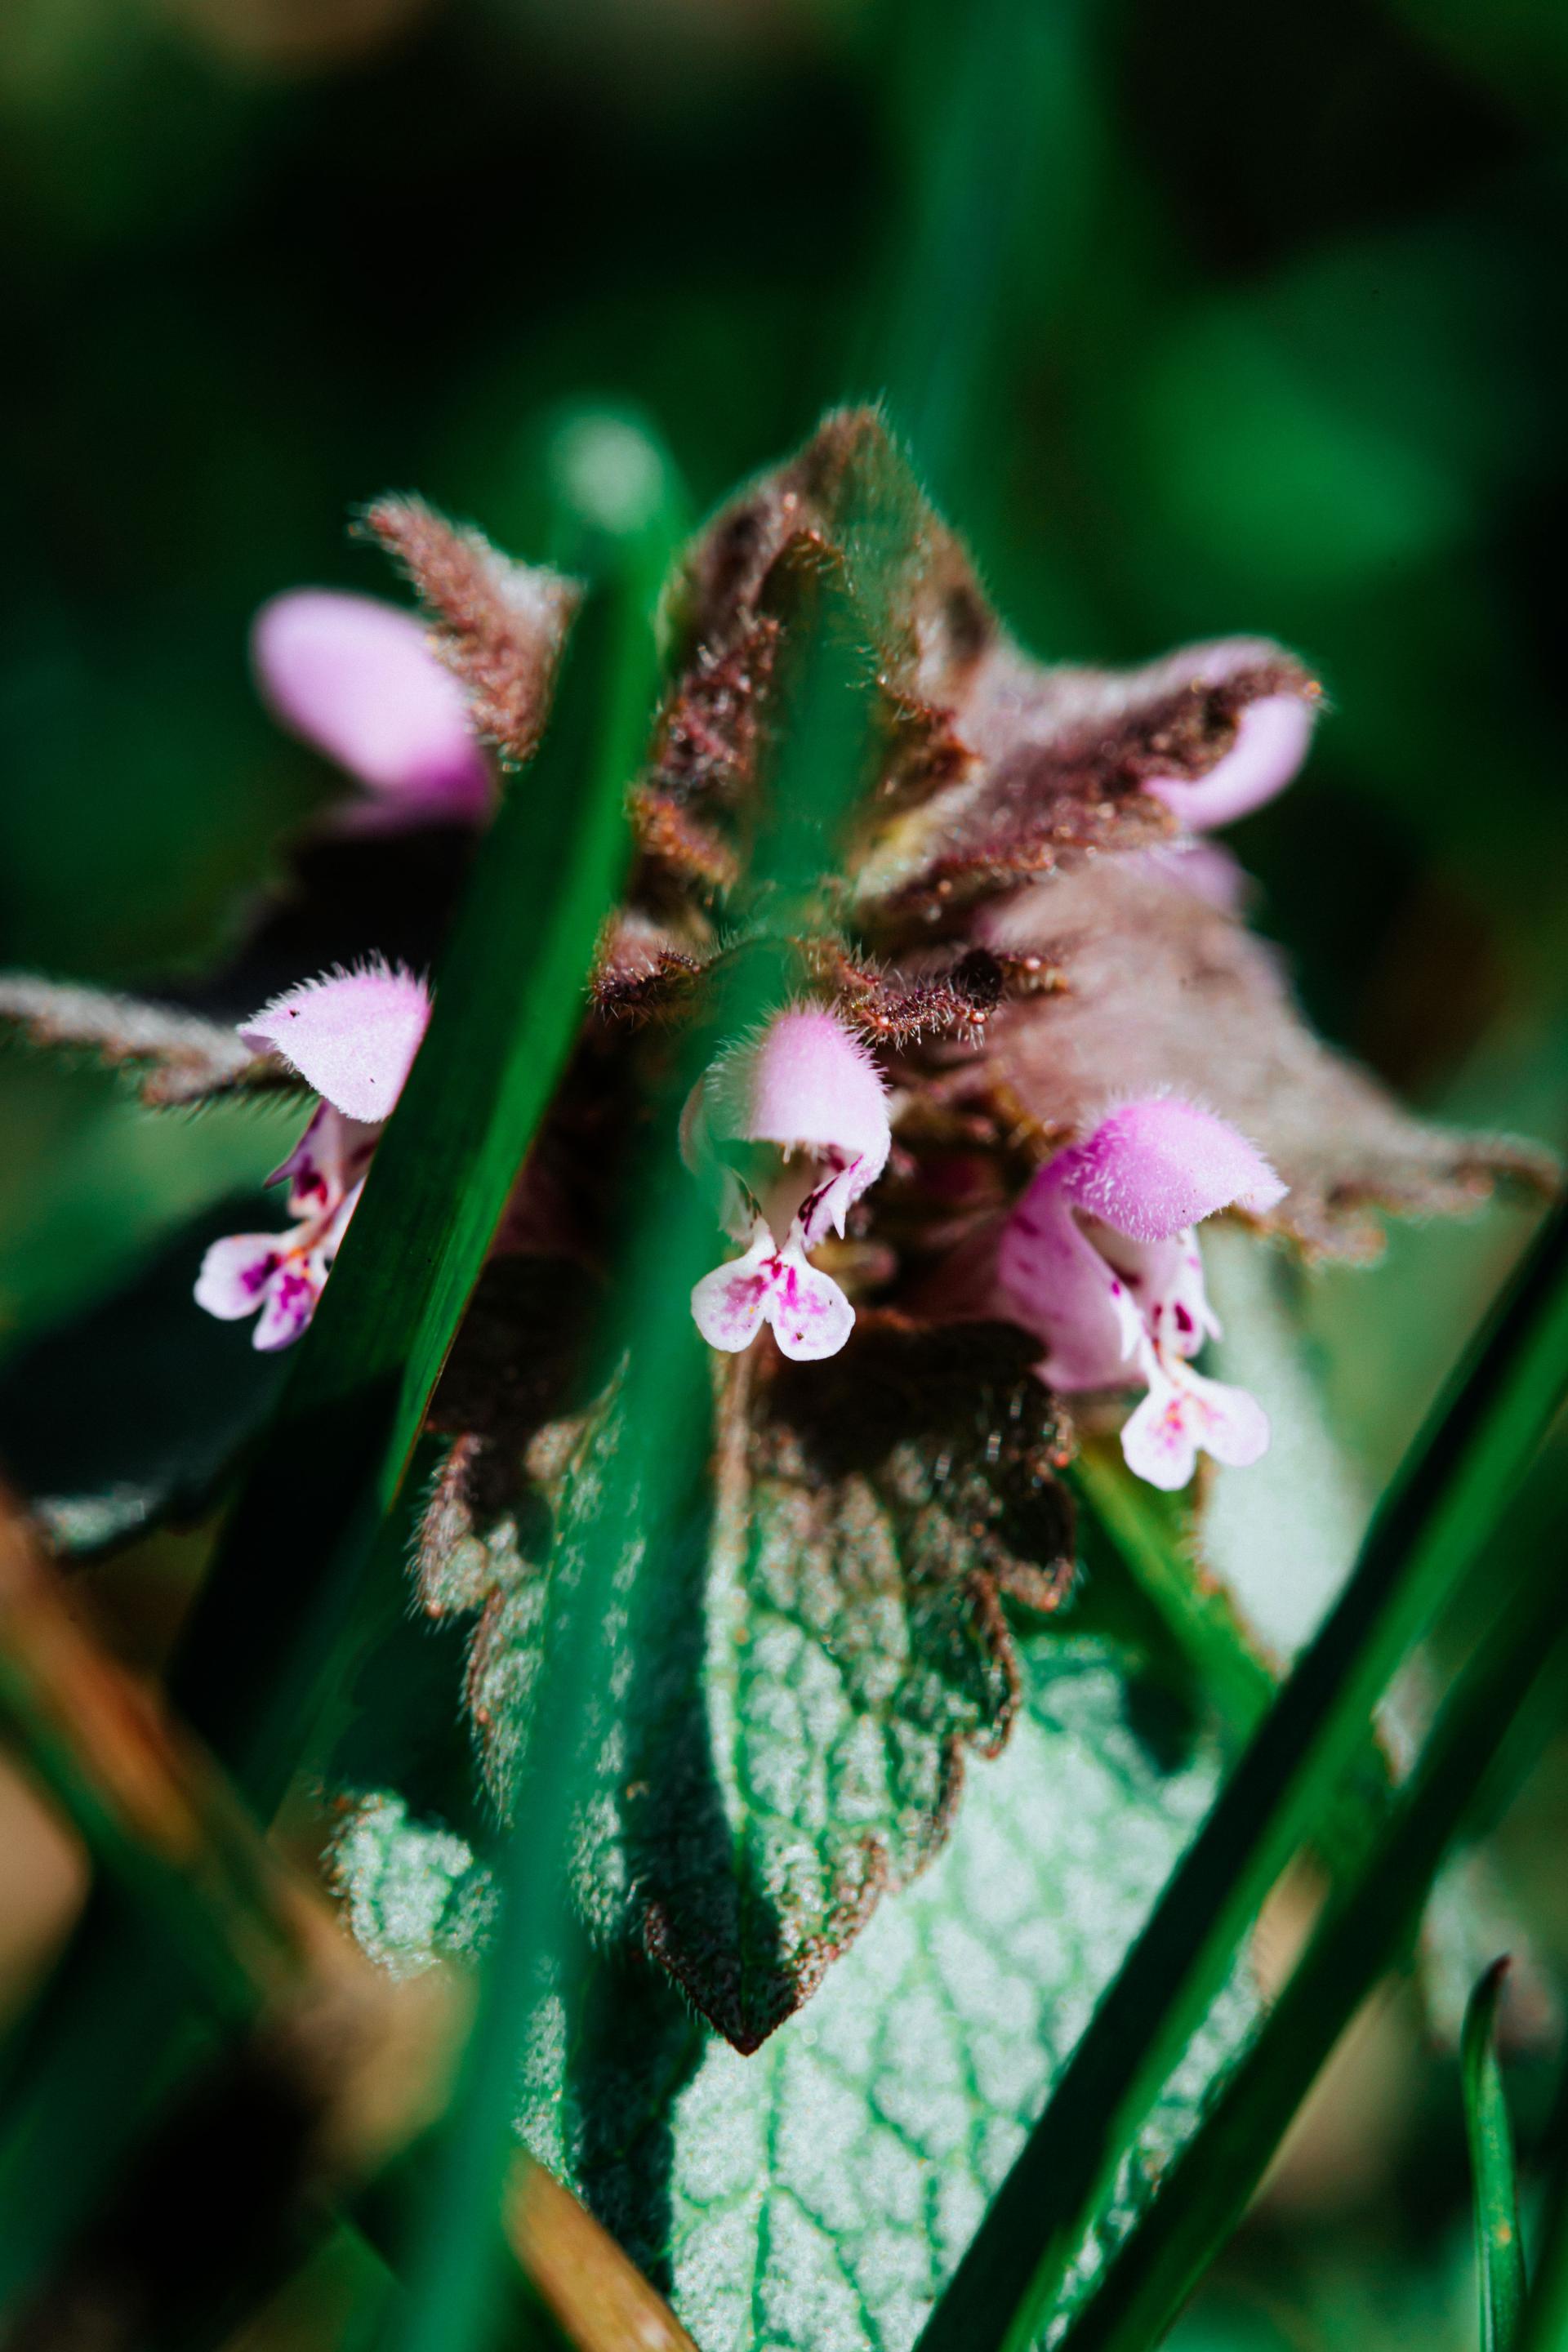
pixel 1157 1440
pixel 729 1305
pixel 235 1271
pixel 288 1307
pixel 811 1317
pixel 1231 1424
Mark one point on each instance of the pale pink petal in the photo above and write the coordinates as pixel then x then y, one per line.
pixel 810 1315
pixel 1156 1166
pixel 329 1156
pixel 1227 1422
pixel 1165 1281
pixel 806 1084
pixel 352 1036
pixel 290 1303
pixel 824 1211
pixel 728 1305
pixel 1157 1440
pixel 1183 1413
pixel 236 1272
pixel 1272 738
pixel 1054 1282
pixel 355 678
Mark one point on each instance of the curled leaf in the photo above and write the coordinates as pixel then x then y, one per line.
pixel 499 624
pixel 705 760
pixel 994 766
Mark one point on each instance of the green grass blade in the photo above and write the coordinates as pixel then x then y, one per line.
pixel 257 1661
pixel 649 1483
pixel 1500 2248
pixel 1477 1751
pixel 1197 1612
pixel 1545 2327
pixel 1430 1528
pixel 995 103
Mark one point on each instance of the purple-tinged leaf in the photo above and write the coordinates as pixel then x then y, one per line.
pixel 1165 991
pixel 994 766
pixel 176 1057
pixel 498 626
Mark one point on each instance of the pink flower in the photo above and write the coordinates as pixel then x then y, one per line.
pixel 1272 735
pixel 355 678
pixel 805 1086
pixel 352 1036
pixel 1100 1258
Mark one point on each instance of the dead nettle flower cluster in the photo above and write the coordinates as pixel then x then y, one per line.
pixel 1032 951
pixel 1026 1007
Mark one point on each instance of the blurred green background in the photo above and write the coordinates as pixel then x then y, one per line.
pixel 1203 319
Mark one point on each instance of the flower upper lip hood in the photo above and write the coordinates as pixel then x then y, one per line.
pixel 1152 1167
pixel 1273 735
pixel 1098 1255
pixel 355 678
pixel 352 1036
pixel 806 1084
